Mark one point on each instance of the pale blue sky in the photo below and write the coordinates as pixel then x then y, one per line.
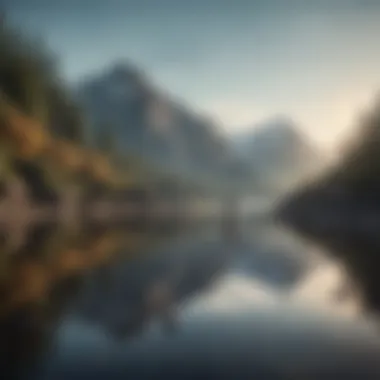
pixel 239 61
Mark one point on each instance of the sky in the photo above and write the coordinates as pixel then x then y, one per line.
pixel 241 62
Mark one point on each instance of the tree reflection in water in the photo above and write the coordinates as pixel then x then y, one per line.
pixel 127 298
pixel 40 281
pixel 105 276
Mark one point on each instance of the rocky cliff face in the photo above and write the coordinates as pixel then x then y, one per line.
pixel 150 123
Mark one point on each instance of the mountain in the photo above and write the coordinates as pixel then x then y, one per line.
pixel 277 152
pixel 157 127
pixel 150 123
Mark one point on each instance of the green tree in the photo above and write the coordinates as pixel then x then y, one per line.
pixel 30 79
pixel 26 70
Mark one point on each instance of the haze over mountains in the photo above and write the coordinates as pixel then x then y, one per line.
pixel 151 124
pixel 278 153
pixel 154 125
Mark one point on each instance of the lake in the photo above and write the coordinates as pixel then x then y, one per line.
pixel 164 301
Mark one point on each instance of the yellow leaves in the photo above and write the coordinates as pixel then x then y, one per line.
pixel 68 262
pixel 30 280
pixel 65 155
pixel 102 248
pixel 79 161
pixel 26 136
pixel 29 139
pixel 76 161
pixel 98 167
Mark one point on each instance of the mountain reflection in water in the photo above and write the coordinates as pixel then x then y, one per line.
pixel 130 283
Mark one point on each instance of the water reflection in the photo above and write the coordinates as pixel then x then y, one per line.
pixel 126 281
pixel 41 279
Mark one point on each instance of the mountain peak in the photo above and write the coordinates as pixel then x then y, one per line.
pixel 281 125
pixel 123 70
pixel 123 75
pixel 275 130
pixel 152 124
pixel 277 150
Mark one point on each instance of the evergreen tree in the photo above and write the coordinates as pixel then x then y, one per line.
pixel 26 70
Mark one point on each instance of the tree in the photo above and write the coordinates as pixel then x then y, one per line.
pixel 29 79
pixel 66 119
pixel 26 70
pixel 106 140
pixel 360 165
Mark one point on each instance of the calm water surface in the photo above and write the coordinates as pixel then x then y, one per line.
pixel 169 303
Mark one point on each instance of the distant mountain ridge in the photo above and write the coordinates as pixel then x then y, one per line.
pixel 148 122
pixel 277 151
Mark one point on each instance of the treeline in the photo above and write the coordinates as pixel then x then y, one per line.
pixel 340 210
pixel 45 137
pixel 357 171
pixel 359 167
